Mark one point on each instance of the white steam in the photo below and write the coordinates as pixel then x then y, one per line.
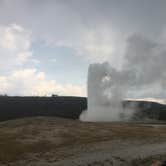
pixel 143 75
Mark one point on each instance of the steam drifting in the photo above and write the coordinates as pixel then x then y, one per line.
pixel 142 75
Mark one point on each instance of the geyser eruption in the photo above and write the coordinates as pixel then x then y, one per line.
pixel 142 76
pixel 105 95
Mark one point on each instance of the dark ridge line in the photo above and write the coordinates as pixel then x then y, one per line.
pixel 13 107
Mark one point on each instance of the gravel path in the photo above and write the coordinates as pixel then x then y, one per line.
pixel 123 154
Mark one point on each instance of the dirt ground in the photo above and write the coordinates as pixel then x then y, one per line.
pixel 43 141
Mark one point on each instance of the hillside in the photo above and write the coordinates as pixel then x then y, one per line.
pixel 18 107
pixel 69 107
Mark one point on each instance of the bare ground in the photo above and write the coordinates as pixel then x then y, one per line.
pixel 63 142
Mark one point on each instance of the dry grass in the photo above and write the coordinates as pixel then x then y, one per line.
pixel 12 149
pixel 39 136
pixel 149 161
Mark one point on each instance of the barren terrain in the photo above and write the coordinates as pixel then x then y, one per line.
pixel 63 142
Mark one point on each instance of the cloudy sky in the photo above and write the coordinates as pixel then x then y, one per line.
pixel 47 45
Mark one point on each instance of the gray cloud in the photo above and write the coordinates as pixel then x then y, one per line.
pixel 87 27
pixel 60 19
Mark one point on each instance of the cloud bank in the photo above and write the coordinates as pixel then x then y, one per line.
pixel 30 82
pixel 15 53
pixel 15 44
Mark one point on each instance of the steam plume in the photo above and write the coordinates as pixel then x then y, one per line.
pixel 142 75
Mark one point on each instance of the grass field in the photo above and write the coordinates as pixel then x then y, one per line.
pixel 53 139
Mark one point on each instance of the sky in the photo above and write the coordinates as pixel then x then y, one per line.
pixel 46 46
